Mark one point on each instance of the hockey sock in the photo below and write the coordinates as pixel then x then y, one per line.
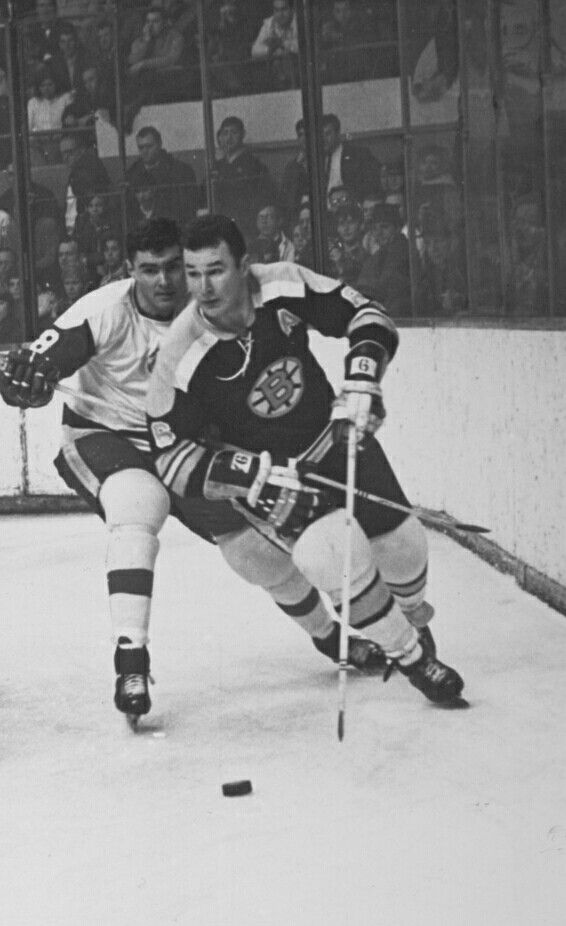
pixel 402 556
pixel 132 551
pixel 311 614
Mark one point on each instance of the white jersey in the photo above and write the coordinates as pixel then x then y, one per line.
pixel 109 348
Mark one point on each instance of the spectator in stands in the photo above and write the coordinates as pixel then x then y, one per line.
pixel 86 174
pixel 344 32
pixel 114 265
pixel 43 34
pixel 295 180
pixel 46 221
pixel 369 239
pixel 94 99
pixel 277 43
pixel 173 180
pixel 339 196
pixel 528 286
pixel 302 238
pixel 11 330
pixel 105 47
pixel 8 267
pixel 155 63
pixel 71 59
pixel 441 289
pixel 91 227
pixel 75 285
pixel 346 252
pixel 392 177
pixel 182 16
pixel 144 204
pixel 45 109
pixel 385 275
pixel 241 181
pixel 47 307
pixel 347 164
pixel 229 40
pixel 271 239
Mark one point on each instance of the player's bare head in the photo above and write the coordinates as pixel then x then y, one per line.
pixel 156 235
pixel 209 231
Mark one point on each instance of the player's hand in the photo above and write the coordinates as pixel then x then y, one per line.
pixel 275 493
pixel 359 404
pixel 27 379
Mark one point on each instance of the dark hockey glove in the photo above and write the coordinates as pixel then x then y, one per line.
pixel 27 379
pixel 360 401
pixel 274 493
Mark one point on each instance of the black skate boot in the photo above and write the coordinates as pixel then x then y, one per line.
pixel 426 640
pixel 132 668
pixel 438 682
pixel 363 654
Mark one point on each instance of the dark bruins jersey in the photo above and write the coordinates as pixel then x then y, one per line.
pixel 266 391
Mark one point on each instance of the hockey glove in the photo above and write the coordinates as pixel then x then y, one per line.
pixel 275 493
pixel 360 401
pixel 27 379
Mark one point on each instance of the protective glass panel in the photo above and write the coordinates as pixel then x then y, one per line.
pixel 523 163
pixel 258 173
pixel 437 206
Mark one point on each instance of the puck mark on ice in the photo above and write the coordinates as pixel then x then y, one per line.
pixel 278 389
pixel 236 788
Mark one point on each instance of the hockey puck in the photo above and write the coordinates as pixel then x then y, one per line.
pixel 236 788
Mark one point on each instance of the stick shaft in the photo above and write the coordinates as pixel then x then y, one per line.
pixel 425 516
pixel 346 578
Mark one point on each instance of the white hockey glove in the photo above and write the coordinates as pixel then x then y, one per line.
pixel 360 400
pixel 275 493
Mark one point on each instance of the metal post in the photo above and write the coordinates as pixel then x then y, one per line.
pixel 312 115
pixel 414 259
pixel 546 80
pixel 207 112
pixel 464 140
pixel 494 58
pixel 21 181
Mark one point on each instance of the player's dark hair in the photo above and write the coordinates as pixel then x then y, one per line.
pixel 211 230
pixel 155 235
pixel 151 131
pixel 331 119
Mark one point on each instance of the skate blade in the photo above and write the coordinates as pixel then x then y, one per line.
pixel 133 722
pixel 456 704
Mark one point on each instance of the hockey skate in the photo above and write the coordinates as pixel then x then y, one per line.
pixel 363 654
pixel 132 668
pixel 437 681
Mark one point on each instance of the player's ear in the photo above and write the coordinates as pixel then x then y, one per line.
pixel 245 264
pixel 130 268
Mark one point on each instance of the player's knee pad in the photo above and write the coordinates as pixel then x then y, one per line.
pixel 260 562
pixel 134 497
pixel 402 558
pixel 319 554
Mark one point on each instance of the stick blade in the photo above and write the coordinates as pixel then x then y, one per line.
pixel 471 528
pixel 341 725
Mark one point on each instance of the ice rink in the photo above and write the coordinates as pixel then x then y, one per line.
pixel 421 816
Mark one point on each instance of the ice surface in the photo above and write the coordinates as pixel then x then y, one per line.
pixel 420 816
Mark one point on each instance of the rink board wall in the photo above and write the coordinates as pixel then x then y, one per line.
pixel 476 427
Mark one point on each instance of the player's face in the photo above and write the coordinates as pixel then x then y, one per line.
pixel 160 285
pixel 220 287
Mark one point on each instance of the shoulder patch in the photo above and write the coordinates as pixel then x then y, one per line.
pixel 353 296
pixel 287 321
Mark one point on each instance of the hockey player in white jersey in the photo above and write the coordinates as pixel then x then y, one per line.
pixel 236 367
pixel 108 340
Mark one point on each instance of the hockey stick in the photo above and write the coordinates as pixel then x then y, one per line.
pixel 93 400
pixel 346 577
pixel 426 517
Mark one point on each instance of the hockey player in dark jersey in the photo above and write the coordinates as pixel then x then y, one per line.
pixel 109 340
pixel 240 409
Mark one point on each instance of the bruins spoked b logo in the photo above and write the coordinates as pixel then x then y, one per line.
pixel 278 389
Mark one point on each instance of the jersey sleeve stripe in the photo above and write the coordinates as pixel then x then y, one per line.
pixel 370 315
pixel 175 468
